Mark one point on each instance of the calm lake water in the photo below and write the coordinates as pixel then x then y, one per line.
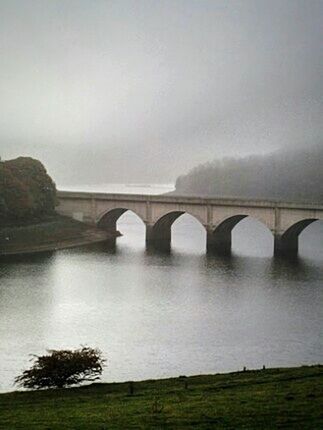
pixel 156 315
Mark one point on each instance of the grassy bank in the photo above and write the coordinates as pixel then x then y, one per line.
pixel 265 399
pixel 55 232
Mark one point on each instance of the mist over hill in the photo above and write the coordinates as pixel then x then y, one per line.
pixel 282 175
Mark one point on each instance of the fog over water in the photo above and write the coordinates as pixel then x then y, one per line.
pixel 142 91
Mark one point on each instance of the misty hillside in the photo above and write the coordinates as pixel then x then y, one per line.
pixel 283 175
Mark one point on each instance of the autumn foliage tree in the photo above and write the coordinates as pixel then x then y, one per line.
pixel 63 368
pixel 26 190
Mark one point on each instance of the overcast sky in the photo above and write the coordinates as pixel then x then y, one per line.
pixel 130 91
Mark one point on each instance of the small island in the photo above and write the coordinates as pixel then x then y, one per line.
pixel 28 220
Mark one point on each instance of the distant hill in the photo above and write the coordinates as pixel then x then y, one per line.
pixel 26 190
pixel 283 175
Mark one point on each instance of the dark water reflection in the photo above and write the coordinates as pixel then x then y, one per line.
pixel 157 315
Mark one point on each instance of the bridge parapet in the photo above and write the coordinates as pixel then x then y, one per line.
pixel 166 198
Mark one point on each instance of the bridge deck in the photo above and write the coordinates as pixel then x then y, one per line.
pixel 164 198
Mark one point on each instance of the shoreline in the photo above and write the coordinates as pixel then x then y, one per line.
pixel 317 368
pixel 49 236
pixel 270 398
pixel 54 247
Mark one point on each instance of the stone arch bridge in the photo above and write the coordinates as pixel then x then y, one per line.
pixel 218 215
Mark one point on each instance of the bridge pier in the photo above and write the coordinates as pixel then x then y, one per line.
pixel 285 246
pixel 218 243
pixel 158 239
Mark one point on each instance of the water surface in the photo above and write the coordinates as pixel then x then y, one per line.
pixel 158 315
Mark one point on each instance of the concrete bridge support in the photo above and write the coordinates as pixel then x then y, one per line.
pixel 219 239
pixel 159 235
pixel 286 244
pixel 158 239
pixel 218 243
pixel 109 220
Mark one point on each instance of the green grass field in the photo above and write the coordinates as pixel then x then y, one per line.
pixel 264 399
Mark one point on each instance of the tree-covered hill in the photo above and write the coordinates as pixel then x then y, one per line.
pixel 284 175
pixel 28 221
pixel 26 190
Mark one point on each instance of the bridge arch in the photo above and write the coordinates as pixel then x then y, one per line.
pixel 296 229
pixel 219 239
pixel 288 242
pixel 108 219
pixel 159 234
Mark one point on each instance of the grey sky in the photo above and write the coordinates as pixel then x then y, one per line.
pixel 143 90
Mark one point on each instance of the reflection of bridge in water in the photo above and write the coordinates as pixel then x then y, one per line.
pixel 218 215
